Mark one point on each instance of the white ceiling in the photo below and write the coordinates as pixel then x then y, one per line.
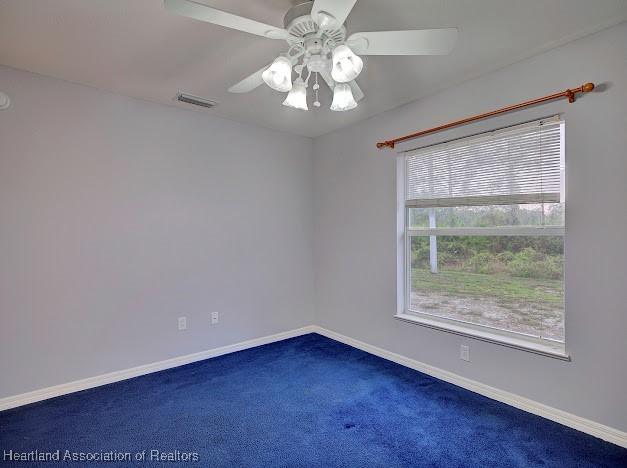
pixel 136 48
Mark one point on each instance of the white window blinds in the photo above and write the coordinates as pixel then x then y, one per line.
pixel 522 164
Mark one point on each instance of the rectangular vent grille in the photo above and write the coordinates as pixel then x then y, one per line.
pixel 195 100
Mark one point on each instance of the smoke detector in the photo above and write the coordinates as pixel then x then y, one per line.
pixel 5 101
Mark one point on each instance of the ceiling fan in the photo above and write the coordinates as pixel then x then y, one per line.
pixel 317 41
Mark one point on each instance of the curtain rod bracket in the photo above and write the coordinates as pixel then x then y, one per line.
pixel 570 94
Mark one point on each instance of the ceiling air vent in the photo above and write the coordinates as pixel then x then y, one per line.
pixel 195 100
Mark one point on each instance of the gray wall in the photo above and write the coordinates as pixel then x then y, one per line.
pixel 119 215
pixel 355 230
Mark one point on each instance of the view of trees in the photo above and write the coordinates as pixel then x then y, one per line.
pixel 524 256
pixel 547 214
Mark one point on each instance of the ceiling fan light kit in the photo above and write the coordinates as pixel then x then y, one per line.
pixel 297 97
pixel 343 99
pixel 279 75
pixel 346 65
pixel 317 42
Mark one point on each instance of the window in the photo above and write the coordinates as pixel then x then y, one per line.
pixel 483 236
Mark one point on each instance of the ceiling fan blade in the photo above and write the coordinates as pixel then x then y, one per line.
pixel 249 83
pixel 418 42
pixel 358 94
pixel 338 9
pixel 211 15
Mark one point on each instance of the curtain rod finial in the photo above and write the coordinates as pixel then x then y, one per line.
pixel 586 88
pixel 383 144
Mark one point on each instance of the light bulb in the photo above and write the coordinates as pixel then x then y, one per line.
pixel 343 99
pixel 297 97
pixel 346 65
pixel 279 75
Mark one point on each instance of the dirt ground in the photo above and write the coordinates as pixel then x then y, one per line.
pixel 518 317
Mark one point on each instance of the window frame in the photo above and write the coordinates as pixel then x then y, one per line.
pixel 516 340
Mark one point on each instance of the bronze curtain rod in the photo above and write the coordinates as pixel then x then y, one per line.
pixel 569 93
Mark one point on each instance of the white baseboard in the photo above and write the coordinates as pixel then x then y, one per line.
pixel 90 382
pixel 595 429
pixel 601 431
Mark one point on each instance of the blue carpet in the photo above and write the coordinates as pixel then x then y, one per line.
pixel 308 401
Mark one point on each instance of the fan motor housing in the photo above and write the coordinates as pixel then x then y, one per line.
pixel 299 24
pixel 302 9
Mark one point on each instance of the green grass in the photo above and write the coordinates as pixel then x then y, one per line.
pixel 504 289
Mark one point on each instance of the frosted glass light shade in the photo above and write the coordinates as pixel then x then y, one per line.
pixel 279 75
pixel 343 99
pixel 346 65
pixel 297 97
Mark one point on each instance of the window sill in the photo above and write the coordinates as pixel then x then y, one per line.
pixel 556 351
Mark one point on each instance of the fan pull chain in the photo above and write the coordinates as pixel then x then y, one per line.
pixel 316 87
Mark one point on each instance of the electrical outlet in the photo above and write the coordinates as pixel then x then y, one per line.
pixel 215 318
pixel 464 352
pixel 182 323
